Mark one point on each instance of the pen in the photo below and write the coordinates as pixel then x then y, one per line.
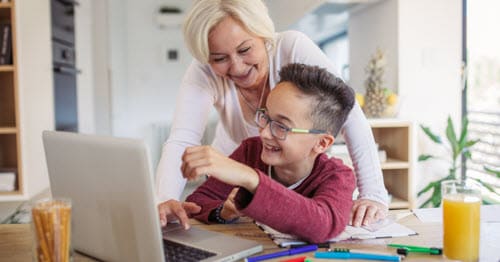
pixel 288 252
pixel 348 255
pixel 404 249
pixel 320 245
pixel 337 249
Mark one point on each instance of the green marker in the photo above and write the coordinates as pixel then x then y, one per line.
pixel 404 249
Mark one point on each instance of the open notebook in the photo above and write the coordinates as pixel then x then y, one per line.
pixel 386 228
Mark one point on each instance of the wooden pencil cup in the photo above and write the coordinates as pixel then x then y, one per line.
pixel 51 226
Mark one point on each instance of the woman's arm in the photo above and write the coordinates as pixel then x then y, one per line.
pixel 362 149
pixel 193 104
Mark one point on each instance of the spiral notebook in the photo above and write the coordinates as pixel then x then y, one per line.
pixel 386 228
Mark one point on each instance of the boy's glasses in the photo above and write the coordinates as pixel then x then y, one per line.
pixel 278 130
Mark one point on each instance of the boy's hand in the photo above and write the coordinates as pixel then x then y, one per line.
pixel 173 209
pixel 365 212
pixel 204 160
pixel 229 210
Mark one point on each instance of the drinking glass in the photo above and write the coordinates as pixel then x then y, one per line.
pixel 461 219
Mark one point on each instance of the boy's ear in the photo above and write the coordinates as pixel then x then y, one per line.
pixel 324 142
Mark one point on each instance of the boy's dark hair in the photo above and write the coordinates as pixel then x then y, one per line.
pixel 333 99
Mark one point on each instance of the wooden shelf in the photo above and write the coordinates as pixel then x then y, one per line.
pixel 394 136
pixel 398 203
pixel 10 141
pixel 13 196
pixel 8 130
pixel 6 68
pixel 392 163
pixel 5 5
pixel 5 11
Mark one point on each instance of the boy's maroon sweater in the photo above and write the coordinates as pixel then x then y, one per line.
pixel 317 210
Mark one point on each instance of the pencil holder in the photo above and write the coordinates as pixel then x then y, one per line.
pixel 51 228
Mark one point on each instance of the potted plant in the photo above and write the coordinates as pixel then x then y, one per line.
pixel 19 216
pixel 456 146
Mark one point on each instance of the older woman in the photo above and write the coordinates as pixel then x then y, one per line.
pixel 237 59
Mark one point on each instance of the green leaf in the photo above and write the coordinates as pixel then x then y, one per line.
pixel 13 218
pixel 428 201
pixel 431 135
pixel 452 138
pixel 470 143
pixel 486 202
pixel 463 133
pixel 492 171
pixel 425 157
pixel 486 185
pixel 436 196
pixel 426 188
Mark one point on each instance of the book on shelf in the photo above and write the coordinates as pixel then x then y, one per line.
pixel 7 179
pixel 5 43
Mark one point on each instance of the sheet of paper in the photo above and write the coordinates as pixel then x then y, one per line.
pixel 490 237
pixel 384 229
pixel 489 214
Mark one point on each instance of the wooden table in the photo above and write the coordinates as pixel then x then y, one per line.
pixel 16 240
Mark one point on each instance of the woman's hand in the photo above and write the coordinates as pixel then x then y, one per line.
pixel 173 209
pixel 204 160
pixel 365 212
pixel 229 210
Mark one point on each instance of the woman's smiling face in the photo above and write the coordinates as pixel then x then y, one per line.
pixel 238 55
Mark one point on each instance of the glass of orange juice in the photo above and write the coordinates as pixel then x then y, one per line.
pixel 461 218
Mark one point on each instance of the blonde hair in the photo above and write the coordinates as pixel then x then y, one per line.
pixel 206 14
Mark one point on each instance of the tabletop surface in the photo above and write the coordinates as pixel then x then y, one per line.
pixel 16 240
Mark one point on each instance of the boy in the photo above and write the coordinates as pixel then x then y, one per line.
pixel 283 178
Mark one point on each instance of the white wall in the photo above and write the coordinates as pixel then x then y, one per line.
pixel 35 88
pixel 295 10
pixel 144 82
pixel 371 27
pixel 84 62
pixel 429 72
pixel 424 43
pixel 430 40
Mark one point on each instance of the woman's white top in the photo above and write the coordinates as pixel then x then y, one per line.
pixel 202 89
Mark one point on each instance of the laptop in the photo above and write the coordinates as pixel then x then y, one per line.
pixel 114 213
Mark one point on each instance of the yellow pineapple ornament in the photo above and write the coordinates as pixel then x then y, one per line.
pixel 375 99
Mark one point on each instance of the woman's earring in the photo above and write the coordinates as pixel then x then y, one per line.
pixel 268 45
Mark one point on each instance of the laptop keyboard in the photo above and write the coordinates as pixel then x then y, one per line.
pixel 179 253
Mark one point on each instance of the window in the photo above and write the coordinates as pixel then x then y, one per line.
pixel 482 101
pixel 327 27
pixel 336 48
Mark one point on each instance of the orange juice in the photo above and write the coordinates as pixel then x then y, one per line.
pixel 461 218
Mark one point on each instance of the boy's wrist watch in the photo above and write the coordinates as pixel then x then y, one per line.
pixel 215 216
